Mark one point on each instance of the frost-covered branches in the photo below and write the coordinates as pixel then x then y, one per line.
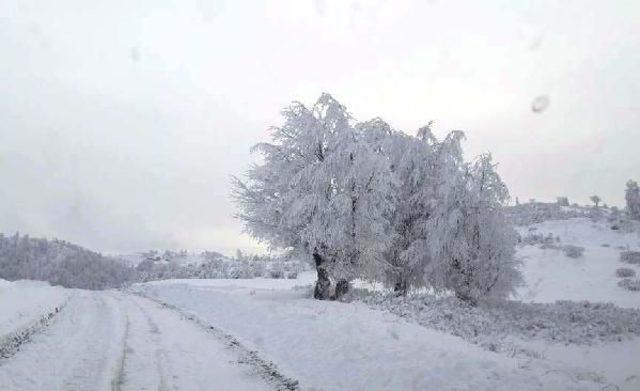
pixel 366 201
pixel 472 243
pixel 323 189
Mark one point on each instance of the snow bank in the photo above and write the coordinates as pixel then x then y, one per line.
pixel 25 308
pixel 24 302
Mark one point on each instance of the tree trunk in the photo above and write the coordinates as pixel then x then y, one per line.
pixel 400 288
pixel 342 287
pixel 322 290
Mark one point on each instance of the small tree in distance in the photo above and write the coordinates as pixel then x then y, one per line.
pixel 595 199
pixel 632 197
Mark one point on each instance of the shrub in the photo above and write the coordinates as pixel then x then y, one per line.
pixel 533 239
pixel 625 272
pixel 572 251
pixel 629 284
pixel 276 273
pixel 292 275
pixel 632 257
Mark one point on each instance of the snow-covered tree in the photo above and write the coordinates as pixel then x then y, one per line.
pixel 632 196
pixel 322 190
pixel 365 201
pixel 412 161
pixel 472 242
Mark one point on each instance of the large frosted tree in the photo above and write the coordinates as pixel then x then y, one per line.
pixel 322 190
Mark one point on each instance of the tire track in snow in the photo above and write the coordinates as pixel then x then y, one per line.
pixel 79 351
pixel 160 355
pixel 118 379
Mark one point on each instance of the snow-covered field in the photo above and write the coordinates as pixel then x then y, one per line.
pixel 264 333
pixel 551 276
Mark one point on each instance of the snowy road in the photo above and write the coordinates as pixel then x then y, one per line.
pixel 115 341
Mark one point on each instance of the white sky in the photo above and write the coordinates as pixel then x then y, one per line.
pixel 121 121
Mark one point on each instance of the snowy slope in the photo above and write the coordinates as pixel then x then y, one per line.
pixel 551 276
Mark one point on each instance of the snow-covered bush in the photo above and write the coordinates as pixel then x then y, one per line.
pixel 625 272
pixel 622 223
pixel 491 322
pixel 276 273
pixel 632 257
pixel 629 284
pixel 538 239
pixel 572 251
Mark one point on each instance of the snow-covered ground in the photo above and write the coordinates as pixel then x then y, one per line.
pixel 223 334
pixel 551 276
pixel 335 346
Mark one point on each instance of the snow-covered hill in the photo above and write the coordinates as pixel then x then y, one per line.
pixel 551 275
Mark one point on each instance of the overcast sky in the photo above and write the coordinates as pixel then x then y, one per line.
pixel 121 121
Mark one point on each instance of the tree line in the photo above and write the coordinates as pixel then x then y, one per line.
pixel 60 263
